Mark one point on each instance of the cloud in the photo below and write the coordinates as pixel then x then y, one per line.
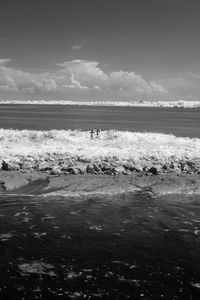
pixel 193 75
pixel 3 61
pixel 76 47
pixel 80 76
pixel 47 84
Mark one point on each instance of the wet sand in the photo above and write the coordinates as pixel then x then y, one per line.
pixel 42 183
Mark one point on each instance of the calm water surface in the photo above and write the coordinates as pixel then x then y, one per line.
pixel 179 121
pixel 119 247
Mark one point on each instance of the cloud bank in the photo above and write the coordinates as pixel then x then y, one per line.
pixel 81 78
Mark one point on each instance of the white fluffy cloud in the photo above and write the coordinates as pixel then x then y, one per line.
pixel 77 75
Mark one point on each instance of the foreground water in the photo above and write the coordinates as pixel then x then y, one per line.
pixel 178 121
pixel 127 246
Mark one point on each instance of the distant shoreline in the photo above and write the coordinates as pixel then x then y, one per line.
pixel 164 104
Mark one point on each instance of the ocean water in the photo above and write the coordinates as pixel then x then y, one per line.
pixel 127 246
pixel 178 121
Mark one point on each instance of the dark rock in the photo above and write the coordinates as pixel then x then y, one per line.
pixel 129 166
pixel 96 168
pixel 4 166
pixel 125 172
pixel 105 167
pixel 10 166
pixel 185 168
pixel 89 169
pixel 166 167
pixel 108 172
pixel 153 170
pixel 145 169
pixel 64 167
pixel 72 170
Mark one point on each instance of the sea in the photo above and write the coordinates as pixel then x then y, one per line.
pixel 178 121
pixel 125 246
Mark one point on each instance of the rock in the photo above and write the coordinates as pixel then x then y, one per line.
pixel 129 166
pixel 81 168
pixel 44 166
pixel 96 168
pixel 97 162
pixel 4 165
pixel 125 172
pixel 72 170
pixel 185 168
pixel 66 173
pixel 114 163
pixel 105 167
pixel 166 167
pixel 64 167
pixel 84 160
pixel 89 169
pixel 70 163
pixel 138 169
pixel 27 165
pixel 55 171
pixel 153 170
pixel 177 168
pixel 119 169
pixel 108 172
pixel 145 169
pixel 10 166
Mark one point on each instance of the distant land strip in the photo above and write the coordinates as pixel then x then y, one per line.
pixel 175 104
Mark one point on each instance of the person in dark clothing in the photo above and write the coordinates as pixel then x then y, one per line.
pixel 98 132
pixel 92 133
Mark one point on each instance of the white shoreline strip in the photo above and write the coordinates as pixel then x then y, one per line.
pixel 166 104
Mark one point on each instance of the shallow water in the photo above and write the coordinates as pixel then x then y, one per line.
pixel 178 121
pixel 119 247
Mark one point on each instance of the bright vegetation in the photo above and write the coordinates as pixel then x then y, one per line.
pixel 141 148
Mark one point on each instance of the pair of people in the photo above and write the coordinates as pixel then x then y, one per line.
pixel 92 132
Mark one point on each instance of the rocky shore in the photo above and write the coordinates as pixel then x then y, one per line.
pixel 76 176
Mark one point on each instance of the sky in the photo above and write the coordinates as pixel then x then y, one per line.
pixel 100 49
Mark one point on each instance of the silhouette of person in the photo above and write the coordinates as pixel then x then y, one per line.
pixel 92 133
pixel 98 132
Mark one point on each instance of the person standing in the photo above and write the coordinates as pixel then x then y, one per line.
pixel 98 132
pixel 92 133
